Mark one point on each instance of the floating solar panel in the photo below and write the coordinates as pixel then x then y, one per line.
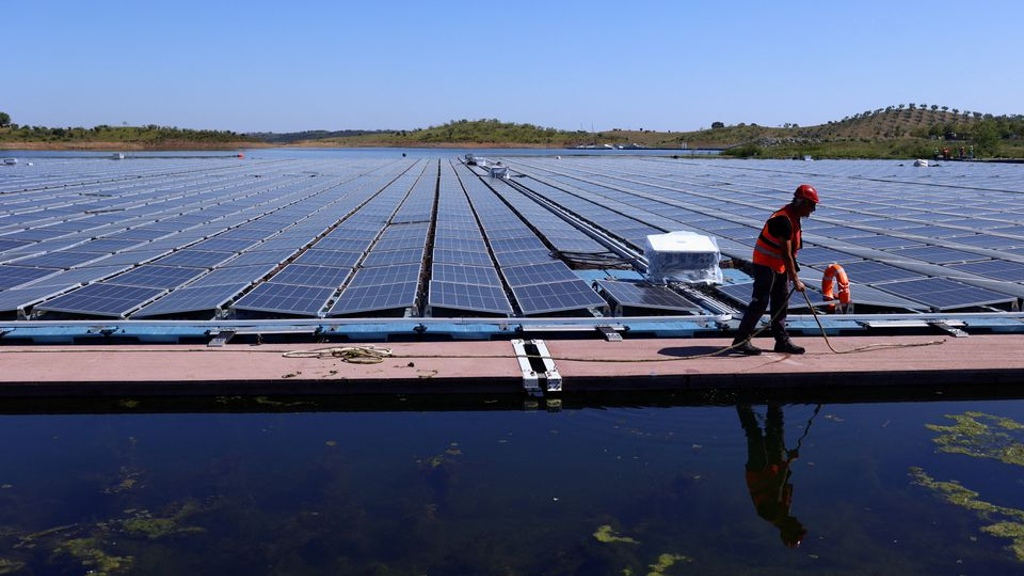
pixel 525 257
pixel 73 278
pixel 463 258
pixel 811 255
pixel 994 269
pixel 243 275
pixel 556 297
pixel 551 271
pixel 393 257
pixel 454 273
pixel 153 276
pixel 11 276
pixel 469 297
pixel 944 294
pixel 400 244
pixel 284 299
pixel 470 244
pixel 646 296
pixel 106 245
pixel 107 300
pixel 191 299
pixel 356 299
pixel 192 258
pixel 321 276
pixel 871 272
pixel 12 300
pixel 398 274
pixel 60 260
pixel 314 256
pixel 517 244
pixel 937 254
pixel 259 257
pixel 988 241
pixel 742 292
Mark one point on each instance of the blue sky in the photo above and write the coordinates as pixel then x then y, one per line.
pixel 666 65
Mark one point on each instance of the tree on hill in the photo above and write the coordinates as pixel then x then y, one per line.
pixel 5 119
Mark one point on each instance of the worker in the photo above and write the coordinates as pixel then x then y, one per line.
pixel 768 472
pixel 775 268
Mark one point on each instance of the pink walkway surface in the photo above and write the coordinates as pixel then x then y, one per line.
pixel 585 365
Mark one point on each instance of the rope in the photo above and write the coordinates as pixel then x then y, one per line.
pixel 862 348
pixel 368 354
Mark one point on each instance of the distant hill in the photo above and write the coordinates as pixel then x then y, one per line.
pixel 105 137
pixel 291 137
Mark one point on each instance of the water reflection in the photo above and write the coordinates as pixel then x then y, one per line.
pixel 769 471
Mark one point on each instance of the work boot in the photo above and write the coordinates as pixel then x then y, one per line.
pixel 787 347
pixel 745 347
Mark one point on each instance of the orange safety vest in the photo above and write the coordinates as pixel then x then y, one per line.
pixel 768 249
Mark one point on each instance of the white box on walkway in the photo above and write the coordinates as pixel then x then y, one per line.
pixel 683 257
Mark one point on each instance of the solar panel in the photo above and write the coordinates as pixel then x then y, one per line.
pixel 525 257
pixel 945 294
pixel 883 242
pixel 470 297
pixel 260 257
pixel 243 275
pixel 192 258
pixel 152 276
pixel 551 271
pixel 937 254
pixel 357 299
pixel 76 276
pixel 556 297
pixel 11 276
pixel 191 299
pixel 11 300
pixel 321 276
pixel 393 257
pixel 812 255
pixel 995 269
pixel 314 256
pixel 640 295
pixel 471 244
pixel 378 275
pixel 285 299
pixel 463 257
pixel 870 272
pixel 59 260
pixel 454 273
pixel 106 245
pixel 517 244
pixel 741 293
pixel 101 300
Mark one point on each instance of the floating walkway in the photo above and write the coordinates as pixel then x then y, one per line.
pixel 568 367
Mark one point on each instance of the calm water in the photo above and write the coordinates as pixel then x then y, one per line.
pixel 504 490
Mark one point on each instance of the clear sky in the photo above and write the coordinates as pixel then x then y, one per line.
pixel 254 65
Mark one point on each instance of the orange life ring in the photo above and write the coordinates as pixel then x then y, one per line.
pixel 835 271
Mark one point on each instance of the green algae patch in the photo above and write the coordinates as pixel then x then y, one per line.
pixel 10 566
pixel 89 551
pixel 442 459
pixel 666 561
pixel 982 435
pixel 144 524
pixel 1011 526
pixel 607 535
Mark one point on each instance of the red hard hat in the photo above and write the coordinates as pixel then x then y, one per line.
pixel 807 192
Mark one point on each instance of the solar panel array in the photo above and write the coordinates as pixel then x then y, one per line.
pixel 187 238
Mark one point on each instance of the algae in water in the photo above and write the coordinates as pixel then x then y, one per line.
pixel 605 534
pixel 981 436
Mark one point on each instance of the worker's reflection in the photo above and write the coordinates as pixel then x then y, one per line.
pixel 768 472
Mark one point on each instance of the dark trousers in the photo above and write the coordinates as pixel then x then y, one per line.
pixel 769 287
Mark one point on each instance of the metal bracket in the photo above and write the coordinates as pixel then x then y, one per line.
pixel 532 355
pixel 610 333
pixel 220 338
pixel 951 330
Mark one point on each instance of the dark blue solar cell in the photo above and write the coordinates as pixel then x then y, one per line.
pixel 224 245
pixel 883 242
pixel 153 276
pixel 937 254
pixel 556 297
pixel 320 276
pixel 107 245
pixel 191 258
pixel 470 297
pixel 463 257
pixel 259 257
pixel 393 257
pixel 525 257
pixel 639 295
pixel 314 256
pixel 400 243
pixel 471 244
pixel 285 299
pixel 234 275
pixel 59 260
pixel 101 300
pixel 356 299
pixel 994 269
pixel 191 299
pixel 870 272
pixel 551 271
pixel 517 244
pixel 11 276
pixel 377 275
pixel 454 273
pixel 945 294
